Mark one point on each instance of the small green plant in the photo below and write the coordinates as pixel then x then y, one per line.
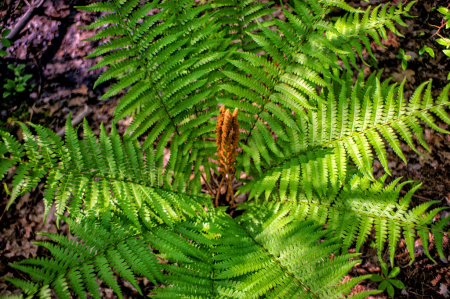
pixel 446 43
pixel 4 41
pixel 446 13
pixel 404 58
pixel 426 49
pixel 442 40
pixel 388 282
pixel 19 84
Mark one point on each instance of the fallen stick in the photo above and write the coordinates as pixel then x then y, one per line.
pixel 87 110
pixel 23 19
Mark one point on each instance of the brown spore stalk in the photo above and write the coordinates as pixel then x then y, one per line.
pixel 227 130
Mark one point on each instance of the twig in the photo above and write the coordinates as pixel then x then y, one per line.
pixel 439 27
pixel 21 275
pixel 24 19
pixel 417 196
pixel 238 184
pixel 218 192
pixel 215 181
pixel 87 110
pixel 207 185
pixel 32 111
pixel 18 3
pixel 40 77
pixel 3 214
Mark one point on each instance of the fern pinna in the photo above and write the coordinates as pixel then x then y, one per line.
pixel 303 132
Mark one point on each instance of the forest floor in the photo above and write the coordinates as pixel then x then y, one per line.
pixel 51 48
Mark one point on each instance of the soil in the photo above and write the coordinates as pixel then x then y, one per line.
pixel 52 49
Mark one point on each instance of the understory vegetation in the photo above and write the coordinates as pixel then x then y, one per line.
pixel 247 170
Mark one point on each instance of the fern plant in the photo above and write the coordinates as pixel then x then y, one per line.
pixel 304 135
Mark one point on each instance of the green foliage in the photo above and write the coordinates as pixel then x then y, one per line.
pixel 388 282
pixel 445 41
pixel 405 58
pixel 19 84
pixel 360 206
pixel 12 297
pixel 446 13
pixel 206 267
pixel 101 248
pixel 426 49
pixel 349 124
pixel 309 138
pixel 87 174
pixel 4 41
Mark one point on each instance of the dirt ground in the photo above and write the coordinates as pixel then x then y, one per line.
pixel 51 48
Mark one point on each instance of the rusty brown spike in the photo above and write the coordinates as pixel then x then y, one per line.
pixel 227 130
pixel 235 129
pixel 219 126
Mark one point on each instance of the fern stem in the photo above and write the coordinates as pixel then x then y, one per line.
pixel 218 192
pixel 208 186
pixel 212 282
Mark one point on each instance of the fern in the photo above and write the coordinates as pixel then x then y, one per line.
pixel 208 267
pixel 91 173
pixel 104 248
pixel 119 210
pixel 303 133
pixel 346 126
pixel 174 81
pixel 361 205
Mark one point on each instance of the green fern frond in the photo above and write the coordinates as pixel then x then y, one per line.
pixel 11 296
pixel 285 85
pixel 272 257
pixel 308 139
pixel 205 268
pixel 349 128
pixel 161 72
pixel 96 173
pixel 99 251
pixel 98 7
pixel 352 212
pixel 180 74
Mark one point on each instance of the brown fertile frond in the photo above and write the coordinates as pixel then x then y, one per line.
pixel 234 139
pixel 227 130
pixel 219 126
